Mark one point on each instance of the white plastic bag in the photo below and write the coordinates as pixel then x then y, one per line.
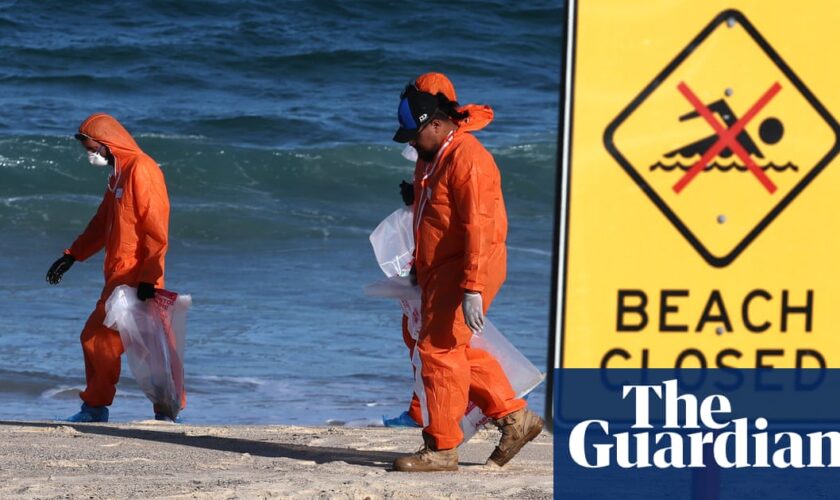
pixel 152 334
pixel 393 243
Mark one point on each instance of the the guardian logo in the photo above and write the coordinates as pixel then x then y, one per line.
pixel 733 442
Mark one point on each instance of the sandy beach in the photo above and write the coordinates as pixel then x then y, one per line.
pixel 163 460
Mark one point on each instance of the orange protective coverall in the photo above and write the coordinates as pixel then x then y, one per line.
pixel 132 224
pixel 432 83
pixel 460 244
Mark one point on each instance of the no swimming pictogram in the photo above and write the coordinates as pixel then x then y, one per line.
pixel 727 137
pixel 718 177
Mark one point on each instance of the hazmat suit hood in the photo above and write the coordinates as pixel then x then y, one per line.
pixel 480 115
pixel 436 83
pixel 105 129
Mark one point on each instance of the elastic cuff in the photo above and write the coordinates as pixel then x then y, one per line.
pixel 514 406
pixel 446 444
pixel 472 286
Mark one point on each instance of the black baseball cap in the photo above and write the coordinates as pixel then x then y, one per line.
pixel 415 110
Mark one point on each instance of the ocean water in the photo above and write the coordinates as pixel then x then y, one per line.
pixel 272 123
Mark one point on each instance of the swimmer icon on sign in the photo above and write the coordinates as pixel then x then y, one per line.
pixel 770 131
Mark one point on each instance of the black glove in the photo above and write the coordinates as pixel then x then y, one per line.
pixel 412 275
pixel 59 267
pixel 145 291
pixel 407 192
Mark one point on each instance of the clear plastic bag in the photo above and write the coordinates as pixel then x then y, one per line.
pixel 393 243
pixel 153 334
pixel 393 288
pixel 523 376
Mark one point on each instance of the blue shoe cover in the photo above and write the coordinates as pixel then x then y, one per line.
pixel 402 421
pixel 166 418
pixel 90 414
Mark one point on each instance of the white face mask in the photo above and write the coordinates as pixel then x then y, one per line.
pixel 410 154
pixel 97 160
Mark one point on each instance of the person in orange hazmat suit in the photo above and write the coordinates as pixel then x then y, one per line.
pixel 132 225
pixel 432 83
pixel 460 226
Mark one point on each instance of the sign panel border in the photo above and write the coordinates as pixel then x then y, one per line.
pixel 562 210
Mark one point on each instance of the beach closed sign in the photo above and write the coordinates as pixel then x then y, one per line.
pixel 700 186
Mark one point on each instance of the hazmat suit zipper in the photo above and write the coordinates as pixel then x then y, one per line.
pixel 424 195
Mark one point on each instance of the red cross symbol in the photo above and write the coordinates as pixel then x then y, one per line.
pixel 727 137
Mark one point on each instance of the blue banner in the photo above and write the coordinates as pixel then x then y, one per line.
pixel 671 433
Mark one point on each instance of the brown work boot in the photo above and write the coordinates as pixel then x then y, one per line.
pixel 517 429
pixel 428 459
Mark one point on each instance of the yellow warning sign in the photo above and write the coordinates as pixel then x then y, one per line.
pixel 718 149
pixel 700 222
